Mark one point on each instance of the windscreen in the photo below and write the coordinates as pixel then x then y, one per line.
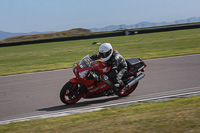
pixel 86 62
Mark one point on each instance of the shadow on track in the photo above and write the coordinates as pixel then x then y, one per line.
pixel 79 104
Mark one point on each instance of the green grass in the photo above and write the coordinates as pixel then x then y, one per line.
pixel 57 55
pixel 181 115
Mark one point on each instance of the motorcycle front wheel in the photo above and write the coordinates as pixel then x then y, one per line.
pixel 71 93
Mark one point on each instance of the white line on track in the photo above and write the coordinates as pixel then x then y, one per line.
pixel 64 113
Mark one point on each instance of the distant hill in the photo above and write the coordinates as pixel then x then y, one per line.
pixel 41 35
pixel 68 33
pixel 4 35
pixel 144 25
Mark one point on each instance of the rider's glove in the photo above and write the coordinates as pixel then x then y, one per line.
pixel 94 57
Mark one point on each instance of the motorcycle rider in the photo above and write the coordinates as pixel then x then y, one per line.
pixel 118 63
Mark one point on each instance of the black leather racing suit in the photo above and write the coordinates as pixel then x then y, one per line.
pixel 119 67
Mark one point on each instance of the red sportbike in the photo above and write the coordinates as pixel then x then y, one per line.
pixel 86 86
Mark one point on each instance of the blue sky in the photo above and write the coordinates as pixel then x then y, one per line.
pixel 59 15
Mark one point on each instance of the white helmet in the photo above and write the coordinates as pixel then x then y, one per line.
pixel 105 51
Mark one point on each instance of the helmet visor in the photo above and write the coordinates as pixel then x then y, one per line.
pixel 106 54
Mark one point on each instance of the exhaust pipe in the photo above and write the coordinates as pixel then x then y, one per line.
pixel 132 82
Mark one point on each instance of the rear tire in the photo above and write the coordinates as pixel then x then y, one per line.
pixel 71 93
pixel 129 91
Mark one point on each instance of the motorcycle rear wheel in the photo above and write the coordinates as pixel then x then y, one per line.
pixel 129 91
pixel 71 93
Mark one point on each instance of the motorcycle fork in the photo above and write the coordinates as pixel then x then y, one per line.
pixel 75 89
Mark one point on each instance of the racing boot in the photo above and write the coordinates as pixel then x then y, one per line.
pixel 118 87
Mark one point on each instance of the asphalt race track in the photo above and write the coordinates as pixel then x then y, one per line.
pixel 37 93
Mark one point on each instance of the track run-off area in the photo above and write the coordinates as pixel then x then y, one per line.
pixel 36 95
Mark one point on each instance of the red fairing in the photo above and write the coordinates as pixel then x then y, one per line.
pixel 75 80
pixel 101 67
pixel 92 86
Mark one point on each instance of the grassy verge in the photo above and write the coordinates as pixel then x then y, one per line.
pixel 181 115
pixel 57 55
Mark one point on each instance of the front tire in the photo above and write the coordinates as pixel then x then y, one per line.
pixel 71 93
